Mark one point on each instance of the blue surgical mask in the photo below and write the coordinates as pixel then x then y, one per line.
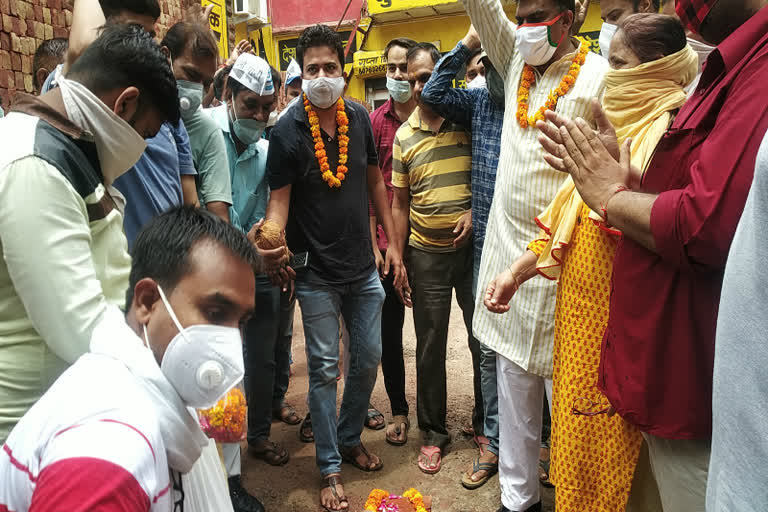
pixel 400 90
pixel 249 131
pixel 190 97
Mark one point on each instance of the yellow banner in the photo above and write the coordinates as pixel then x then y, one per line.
pixel 370 63
pixel 218 22
pixel 382 6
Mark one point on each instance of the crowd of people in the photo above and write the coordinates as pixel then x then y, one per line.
pixel 597 217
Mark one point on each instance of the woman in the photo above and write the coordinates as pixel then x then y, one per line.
pixel 594 456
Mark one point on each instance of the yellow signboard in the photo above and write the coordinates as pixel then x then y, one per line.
pixel 383 6
pixel 218 22
pixel 370 63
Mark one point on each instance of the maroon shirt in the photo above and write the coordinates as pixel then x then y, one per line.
pixel 385 124
pixel 658 350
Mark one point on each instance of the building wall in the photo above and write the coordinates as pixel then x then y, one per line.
pixel 294 15
pixel 27 23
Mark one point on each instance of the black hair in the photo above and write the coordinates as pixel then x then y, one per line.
pixel 48 55
pixel 277 80
pixel 475 53
pixel 402 42
pixel 655 3
pixel 161 251
pixel 429 48
pixel 652 36
pixel 566 5
pixel 127 56
pixel 113 8
pixel 220 81
pixel 185 36
pixel 319 35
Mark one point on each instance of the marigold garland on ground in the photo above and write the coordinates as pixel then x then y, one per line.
pixel 379 497
pixel 342 122
pixel 529 78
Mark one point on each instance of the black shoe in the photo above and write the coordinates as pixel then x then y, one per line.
pixel 242 501
pixel 533 508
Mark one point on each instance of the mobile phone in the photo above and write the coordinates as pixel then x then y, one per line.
pixel 299 261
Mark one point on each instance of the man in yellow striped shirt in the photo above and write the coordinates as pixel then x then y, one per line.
pixel 431 170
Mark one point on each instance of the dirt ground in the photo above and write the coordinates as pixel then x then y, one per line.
pixel 295 486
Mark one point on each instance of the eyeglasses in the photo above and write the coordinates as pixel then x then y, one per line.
pixel 178 505
pixel 583 406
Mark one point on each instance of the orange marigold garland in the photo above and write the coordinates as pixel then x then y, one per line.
pixel 342 122
pixel 381 501
pixel 529 78
pixel 225 421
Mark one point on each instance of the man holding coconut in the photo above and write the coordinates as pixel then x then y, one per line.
pixel 322 166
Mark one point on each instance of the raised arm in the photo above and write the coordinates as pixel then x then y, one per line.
pixel 456 105
pixel 496 31
pixel 87 18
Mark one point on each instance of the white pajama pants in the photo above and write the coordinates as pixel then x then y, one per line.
pixel 231 455
pixel 521 395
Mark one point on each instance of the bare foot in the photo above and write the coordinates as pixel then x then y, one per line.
pixel 332 494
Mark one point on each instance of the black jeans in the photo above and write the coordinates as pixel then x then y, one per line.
pixel 267 351
pixel 433 277
pixel 392 364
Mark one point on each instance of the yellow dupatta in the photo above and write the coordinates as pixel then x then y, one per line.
pixel 639 103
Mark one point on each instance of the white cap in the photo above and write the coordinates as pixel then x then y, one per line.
pixel 294 72
pixel 254 73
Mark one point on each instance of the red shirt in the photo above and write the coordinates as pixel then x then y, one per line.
pixel 658 350
pixel 385 124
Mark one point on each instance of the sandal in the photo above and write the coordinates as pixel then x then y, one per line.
pixel 429 452
pixel 544 474
pixel 330 482
pixel 351 453
pixel 490 469
pixel 372 419
pixel 480 442
pixel 286 414
pixel 270 453
pixel 306 435
pixel 398 422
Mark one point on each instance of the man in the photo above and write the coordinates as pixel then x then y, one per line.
pixel 64 252
pixel 293 81
pixel 677 229
pixel 326 217
pixel 48 56
pixel 242 119
pixel 475 69
pixel 482 110
pixel 194 54
pixel 385 121
pixel 432 163
pixel 525 185
pixel 695 41
pixel 613 12
pixel 123 444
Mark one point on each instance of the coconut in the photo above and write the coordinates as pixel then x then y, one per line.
pixel 271 236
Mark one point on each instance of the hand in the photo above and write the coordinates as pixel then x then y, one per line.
pixel 582 6
pixel 394 263
pixel 404 292
pixel 596 174
pixel 500 291
pixel 472 39
pixel 549 136
pixel 244 46
pixel 463 230
pixel 379 262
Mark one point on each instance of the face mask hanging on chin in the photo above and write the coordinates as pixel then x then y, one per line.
pixel 534 42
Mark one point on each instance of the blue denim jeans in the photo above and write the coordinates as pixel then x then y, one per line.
pixel 488 379
pixel 322 303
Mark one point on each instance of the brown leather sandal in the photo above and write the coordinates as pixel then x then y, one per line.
pixel 330 482
pixel 349 454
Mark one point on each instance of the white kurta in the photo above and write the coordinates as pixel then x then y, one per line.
pixel 525 185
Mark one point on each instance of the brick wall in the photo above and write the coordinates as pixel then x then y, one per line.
pixel 27 23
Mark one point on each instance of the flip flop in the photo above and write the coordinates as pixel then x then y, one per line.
pixel 270 454
pixel 398 430
pixel 290 418
pixel 331 482
pixel 374 413
pixel 429 453
pixel 544 465
pixel 489 467
pixel 349 455
pixel 306 435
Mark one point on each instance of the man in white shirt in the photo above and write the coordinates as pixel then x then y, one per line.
pixel 115 432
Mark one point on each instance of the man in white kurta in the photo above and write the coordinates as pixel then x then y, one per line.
pixel 525 185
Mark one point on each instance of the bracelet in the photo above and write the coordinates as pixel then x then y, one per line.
pixel 604 206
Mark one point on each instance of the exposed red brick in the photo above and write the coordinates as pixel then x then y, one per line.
pixel 38 13
pixel 48 32
pixel 39 30
pixel 46 14
pixel 16 62
pixel 5 41
pixel 7 23
pixel 26 64
pixel 15 43
pixel 5 6
pixel 60 32
pixel 29 85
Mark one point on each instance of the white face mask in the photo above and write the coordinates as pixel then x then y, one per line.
pixel 702 50
pixel 534 42
pixel 478 83
pixel 202 362
pixel 118 145
pixel 607 32
pixel 323 92
pixel 400 90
